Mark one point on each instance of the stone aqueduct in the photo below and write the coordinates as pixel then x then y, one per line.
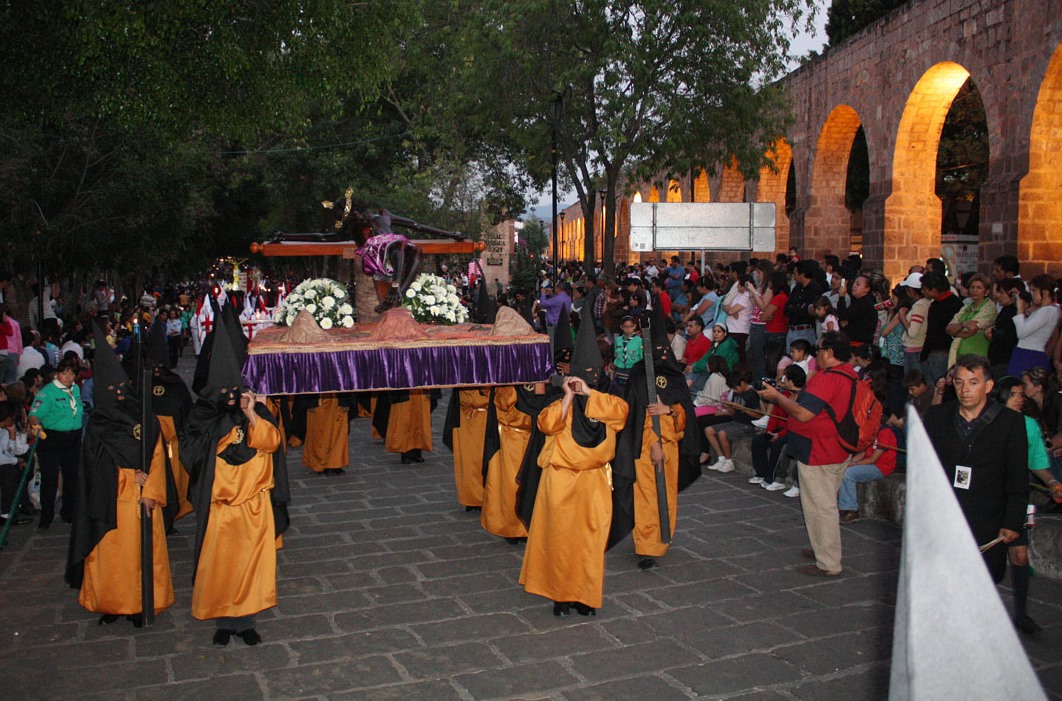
pixel 897 79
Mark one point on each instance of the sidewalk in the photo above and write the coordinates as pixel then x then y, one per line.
pixel 389 590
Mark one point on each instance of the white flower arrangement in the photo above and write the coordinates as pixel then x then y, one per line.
pixel 326 299
pixel 431 301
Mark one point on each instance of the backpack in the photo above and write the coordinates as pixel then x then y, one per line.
pixel 858 429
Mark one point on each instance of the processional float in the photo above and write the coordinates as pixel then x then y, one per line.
pixel 388 350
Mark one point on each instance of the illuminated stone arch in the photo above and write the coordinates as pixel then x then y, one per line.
pixel 674 191
pixel 701 191
pixel 771 187
pixel 731 184
pixel 913 210
pixel 1040 196
pixel 654 195
pixel 827 220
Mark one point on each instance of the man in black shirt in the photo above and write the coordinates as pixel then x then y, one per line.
pixel 984 450
pixel 945 306
pixel 798 308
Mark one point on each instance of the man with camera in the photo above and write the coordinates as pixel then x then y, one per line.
pixel 813 441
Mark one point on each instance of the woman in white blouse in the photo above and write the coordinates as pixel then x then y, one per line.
pixel 1035 322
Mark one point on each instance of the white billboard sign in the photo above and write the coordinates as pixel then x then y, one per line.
pixel 702 226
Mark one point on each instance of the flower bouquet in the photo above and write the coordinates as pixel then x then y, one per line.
pixel 326 299
pixel 432 301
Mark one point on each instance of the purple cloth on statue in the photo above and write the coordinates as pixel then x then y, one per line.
pixel 374 255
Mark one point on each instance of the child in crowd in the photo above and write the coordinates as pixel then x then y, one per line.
pixel 825 316
pixel 627 351
pixel 709 399
pixel 768 448
pixel 13 445
pixel 918 392
pixel 801 354
pixel 720 436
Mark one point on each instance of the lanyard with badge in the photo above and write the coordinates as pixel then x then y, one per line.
pixel 964 473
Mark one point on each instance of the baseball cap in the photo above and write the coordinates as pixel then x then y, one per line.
pixel 914 281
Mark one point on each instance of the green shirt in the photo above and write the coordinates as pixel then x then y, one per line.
pixel 1038 459
pixel 58 408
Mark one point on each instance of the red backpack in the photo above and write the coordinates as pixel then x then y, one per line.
pixel 858 429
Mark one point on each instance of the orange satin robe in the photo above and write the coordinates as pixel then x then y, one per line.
pixel 237 574
pixel 112 569
pixel 180 475
pixel 499 493
pixel 565 555
pixel 468 446
pixel 409 424
pixel 327 436
pixel 646 531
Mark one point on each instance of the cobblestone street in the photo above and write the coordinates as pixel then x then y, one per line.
pixel 390 590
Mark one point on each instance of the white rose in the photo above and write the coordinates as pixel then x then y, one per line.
pixel 309 294
pixel 429 299
pixel 450 316
pixel 312 308
pixel 290 319
pixel 434 311
pixel 348 322
pixel 416 286
pixel 411 293
pixel 328 302
pixel 452 298
pixel 451 288
pixel 346 309
pixel 326 323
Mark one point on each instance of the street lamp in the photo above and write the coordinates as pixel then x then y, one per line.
pixel 565 242
pixel 558 104
pixel 602 195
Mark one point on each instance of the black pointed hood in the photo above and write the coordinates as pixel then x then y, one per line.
pixel 486 309
pixel 108 378
pixel 226 369
pixel 562 339
pixel 587 362
pixel 157 351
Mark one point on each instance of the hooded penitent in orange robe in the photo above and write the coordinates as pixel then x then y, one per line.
pixel 111 582
pixel 499 516
pixel 565 555
pixel 466 440
pixel 327 431
pixel 236 574
pixel 409 423
pixel 646 532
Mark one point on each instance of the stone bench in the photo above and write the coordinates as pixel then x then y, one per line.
pixel 886 499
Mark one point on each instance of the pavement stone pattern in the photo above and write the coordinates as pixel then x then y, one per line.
pixel 390 590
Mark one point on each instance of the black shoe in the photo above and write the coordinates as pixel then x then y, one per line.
pixel 415 455
pixel 515 541
pixel 137 619
pixel 221 637
pixel 473 508
pixel 27 509
pixel 250 637
pixel 335 472
pixel 1026 625
pixel 583 609
pixel 44 525
pixel 107 619
pixel 406 460
pixel 16 520
pixel 646 563
pixel 562 608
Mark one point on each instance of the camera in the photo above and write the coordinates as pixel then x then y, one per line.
pixel 762 383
